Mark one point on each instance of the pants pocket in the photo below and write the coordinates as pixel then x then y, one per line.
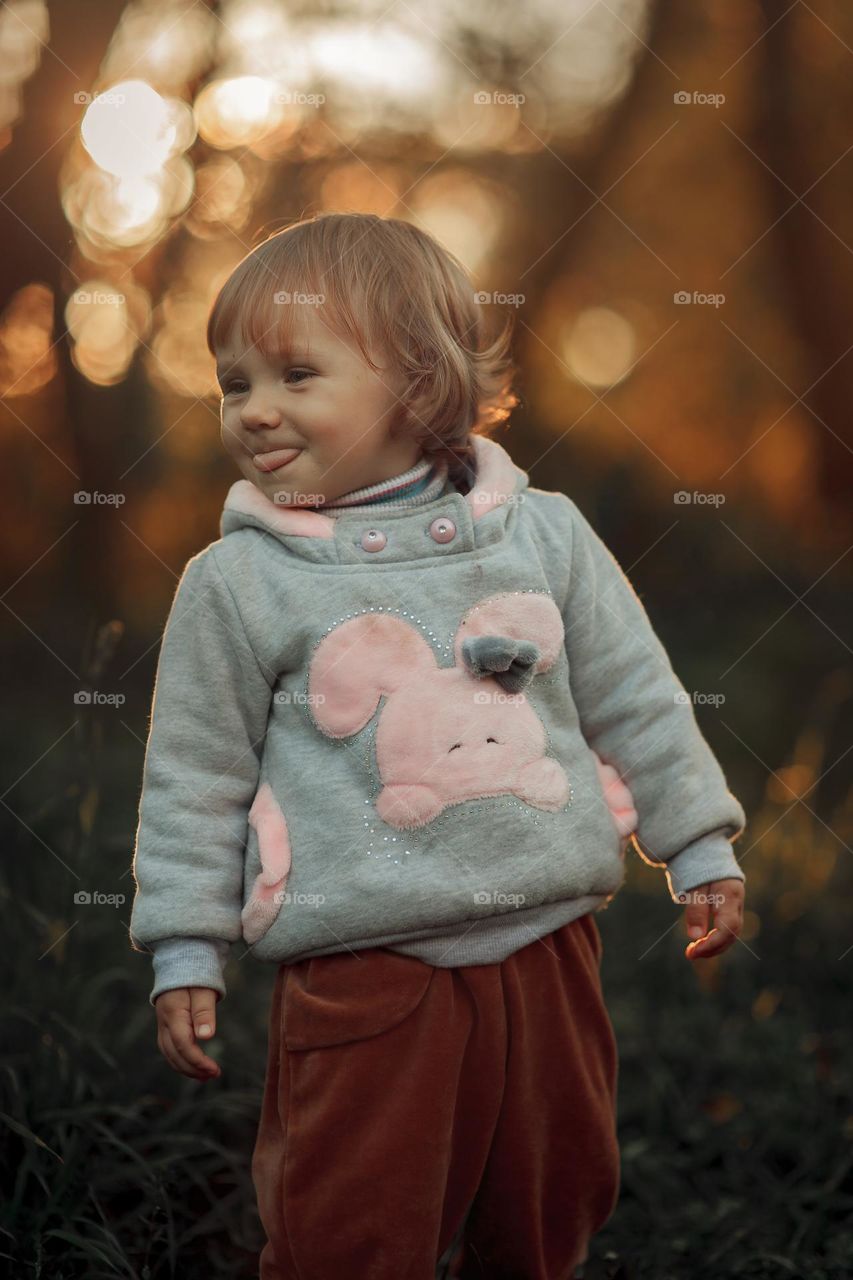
pixel 352 995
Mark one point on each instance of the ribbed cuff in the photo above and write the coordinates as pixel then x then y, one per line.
pixel 188 962
pixel 708 859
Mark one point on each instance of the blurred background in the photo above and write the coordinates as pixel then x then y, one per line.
pixel 661 195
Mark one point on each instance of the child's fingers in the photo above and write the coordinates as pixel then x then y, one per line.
pixel 183 1052
pixel 696 913
pixel 726 897
pixel 203 1007
pixel 717 941
pixel 181 1056
pixel 176 1032
pixel 167 1048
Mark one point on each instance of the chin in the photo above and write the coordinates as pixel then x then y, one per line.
pixel 270 490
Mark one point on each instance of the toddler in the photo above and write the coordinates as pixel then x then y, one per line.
pixel 408 714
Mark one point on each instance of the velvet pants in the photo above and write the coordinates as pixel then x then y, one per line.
pixel 407 1105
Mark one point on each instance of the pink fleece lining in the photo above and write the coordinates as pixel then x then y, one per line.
pixel 497 476
pixel 246 498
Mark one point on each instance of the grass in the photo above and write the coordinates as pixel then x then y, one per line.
pixel 735 1104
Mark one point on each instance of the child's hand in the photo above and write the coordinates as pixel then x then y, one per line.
pixel 184 1014
pixel 726 897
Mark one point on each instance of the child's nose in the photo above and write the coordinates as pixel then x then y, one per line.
pixel 258 413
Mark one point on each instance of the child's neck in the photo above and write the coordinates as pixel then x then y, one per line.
pixel 421 483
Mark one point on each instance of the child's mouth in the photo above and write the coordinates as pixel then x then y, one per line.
pixel 273 461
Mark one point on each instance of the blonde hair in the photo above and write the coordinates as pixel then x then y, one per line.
pixel 395 290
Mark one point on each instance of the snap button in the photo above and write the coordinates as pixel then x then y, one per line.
pixel 373 540
pixel 442 529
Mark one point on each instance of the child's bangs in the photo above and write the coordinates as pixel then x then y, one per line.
pixel 268 293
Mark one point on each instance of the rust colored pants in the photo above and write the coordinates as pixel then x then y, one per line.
pixel 403 1100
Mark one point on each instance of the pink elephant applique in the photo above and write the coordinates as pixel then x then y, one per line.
pixel 619 800
pixel 446 734
pixel 264 901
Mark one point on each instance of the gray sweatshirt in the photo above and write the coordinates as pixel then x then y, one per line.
pixel 433 728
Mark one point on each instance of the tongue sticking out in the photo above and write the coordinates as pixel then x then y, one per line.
pixel 272 461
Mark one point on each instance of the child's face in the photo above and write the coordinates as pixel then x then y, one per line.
pixel 321 399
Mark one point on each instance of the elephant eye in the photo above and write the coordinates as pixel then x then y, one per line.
pixel 491 739
pixel 455 745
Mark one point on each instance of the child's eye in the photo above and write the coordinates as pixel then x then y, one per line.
pixel 237 386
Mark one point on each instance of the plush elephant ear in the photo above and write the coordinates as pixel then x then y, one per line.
pixel 618 796
pixel 264 901
pixel 357 662
pixel 511 662
pixel 523 618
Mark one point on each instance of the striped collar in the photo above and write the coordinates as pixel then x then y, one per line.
pixel 497 484
pixel 422 483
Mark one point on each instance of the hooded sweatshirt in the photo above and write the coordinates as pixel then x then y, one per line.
pixel 431 725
